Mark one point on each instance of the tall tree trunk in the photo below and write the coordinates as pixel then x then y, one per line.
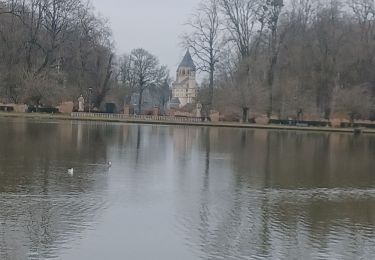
pixel 271 79
pixel 210 93
pixel 140 102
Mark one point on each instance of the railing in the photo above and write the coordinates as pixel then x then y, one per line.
pixel 134 117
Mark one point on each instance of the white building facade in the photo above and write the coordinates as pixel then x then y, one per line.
pixel 185 88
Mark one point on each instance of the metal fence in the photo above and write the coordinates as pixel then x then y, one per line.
pixel 134 117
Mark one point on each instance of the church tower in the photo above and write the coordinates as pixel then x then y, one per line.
pixel 185 86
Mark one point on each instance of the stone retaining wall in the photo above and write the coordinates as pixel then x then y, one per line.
pixel 15 107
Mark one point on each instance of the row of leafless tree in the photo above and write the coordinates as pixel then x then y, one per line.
pixel 56 50
pixel 141 71
pixel 286 58
pixel 53 50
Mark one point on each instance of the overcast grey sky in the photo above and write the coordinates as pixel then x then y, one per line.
pixel 154 25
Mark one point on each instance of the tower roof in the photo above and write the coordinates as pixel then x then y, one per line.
pixel 187 61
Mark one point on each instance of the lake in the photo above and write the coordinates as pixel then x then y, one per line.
pixel 177 192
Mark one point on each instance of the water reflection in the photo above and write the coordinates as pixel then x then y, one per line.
pixel 210 193
pixel 41 206
pixel 290 196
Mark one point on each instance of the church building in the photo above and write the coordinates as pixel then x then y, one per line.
pixel 185 87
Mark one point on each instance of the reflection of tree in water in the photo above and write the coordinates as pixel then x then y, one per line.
pixel 42 207
pixel 279 200
pixel 140 144
pixel 183 140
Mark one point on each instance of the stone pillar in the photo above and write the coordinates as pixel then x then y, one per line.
pixel 156 111
pixel 127 110
pixel 215 116
pixel 66 108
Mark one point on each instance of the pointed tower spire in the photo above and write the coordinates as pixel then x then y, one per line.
pixel 187 61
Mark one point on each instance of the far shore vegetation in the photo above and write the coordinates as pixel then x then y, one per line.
pixel 308 60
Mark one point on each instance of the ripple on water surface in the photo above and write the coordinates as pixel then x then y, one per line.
pixel 183 193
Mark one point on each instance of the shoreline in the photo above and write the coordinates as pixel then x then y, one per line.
pixel 41 116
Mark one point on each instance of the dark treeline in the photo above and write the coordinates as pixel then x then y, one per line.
pixel 56 50
pixel 274 57
pixel 52 51
pixel 286 58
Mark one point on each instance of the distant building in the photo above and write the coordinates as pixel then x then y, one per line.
pixel 185 87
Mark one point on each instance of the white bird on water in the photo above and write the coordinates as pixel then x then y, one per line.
pixel 71 172
pixel 109 164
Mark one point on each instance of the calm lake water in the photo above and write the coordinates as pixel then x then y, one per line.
pixel 177 192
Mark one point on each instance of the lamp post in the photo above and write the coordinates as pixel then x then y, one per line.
pixel 90 91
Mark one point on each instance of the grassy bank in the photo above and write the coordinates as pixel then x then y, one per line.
pixel 39 116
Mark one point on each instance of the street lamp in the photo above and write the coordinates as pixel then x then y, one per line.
pixel 90 91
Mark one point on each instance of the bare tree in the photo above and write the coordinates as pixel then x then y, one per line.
pixel 364 13
pixel 330 38
pixel 58 16
pixel 126 76
pixel 273 9
pixel 364 16
pixel 147 72
pixel 204 39
pixel 53 50
pixel 244 19
pixel 102 75
pixel 295 86
pixel 245 23
pixel 8 7
pixel 354 101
